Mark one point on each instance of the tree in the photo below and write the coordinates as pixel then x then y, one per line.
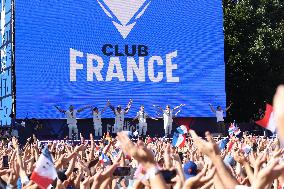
pixel 254 53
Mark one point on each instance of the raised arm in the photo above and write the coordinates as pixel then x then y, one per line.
pixel 82 109
pixel 148 116
pixel 177 107
pixel 107 105
pixel 144 156
pixel 136 117
pixel 111 107
pixel 175 115
pixel 212 109
pixel 229 107
pixel 128 106
pixel 60 110
pixel 211 149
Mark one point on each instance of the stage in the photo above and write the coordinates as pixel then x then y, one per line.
pixel 51 129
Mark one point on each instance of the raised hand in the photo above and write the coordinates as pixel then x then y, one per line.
pixel 209 148
pixel 82 138
pixel 258 162
pixel 167 157
pixel 239 157
pixel 139 152
pixel 200 179
pixel 101 176
pixel 266 175
pixel 85 183
pixel 15 143
pixel 79 148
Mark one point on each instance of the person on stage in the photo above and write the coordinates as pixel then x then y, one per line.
pixel 71 119
pixel 142 116
pixel 97 120
pixel 168 116
pixel 119 116
pixel 15 126
pixel 219 113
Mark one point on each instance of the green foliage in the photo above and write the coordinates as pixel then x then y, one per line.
pixel 254 53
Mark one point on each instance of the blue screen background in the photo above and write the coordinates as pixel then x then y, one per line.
pixel 46 30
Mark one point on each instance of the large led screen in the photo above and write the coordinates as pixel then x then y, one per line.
pixel 85 52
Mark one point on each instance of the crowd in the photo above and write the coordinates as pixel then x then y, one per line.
pixel 245 162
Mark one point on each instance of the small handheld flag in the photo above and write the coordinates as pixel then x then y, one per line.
pixel 234 130
pixel 183 129
pixel 268 121
pixel 178 140
pixel 44 172
pixel 103 158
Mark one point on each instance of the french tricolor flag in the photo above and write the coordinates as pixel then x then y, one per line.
pixel 237 131
pixel 234 130
pixel 268 121
pixel 183 129
pixel 44 172
pixel 178 140
pixel 231 129
pixel 103 158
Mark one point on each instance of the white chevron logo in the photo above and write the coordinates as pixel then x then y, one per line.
pixel 124 13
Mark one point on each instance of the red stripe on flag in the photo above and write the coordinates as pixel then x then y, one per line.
pixel 183 142
pixel 264 121
pixel 43 182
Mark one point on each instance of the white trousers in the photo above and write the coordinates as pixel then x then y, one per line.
pixel 73 128
pixel 142 128
pixel 98 130
pixel 117 128
pixel 168 128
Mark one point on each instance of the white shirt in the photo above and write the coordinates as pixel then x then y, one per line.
pixel 142 116
pixel 168 117
pixel 71 119
pixel 119 117
pixel 97 118
pixel 219 115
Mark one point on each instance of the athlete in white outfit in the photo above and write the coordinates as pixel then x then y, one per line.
pixel 168 116
pixel 97 120
pixel 142 116
pixel 219 113
pixel 71 116
pixel 119 116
